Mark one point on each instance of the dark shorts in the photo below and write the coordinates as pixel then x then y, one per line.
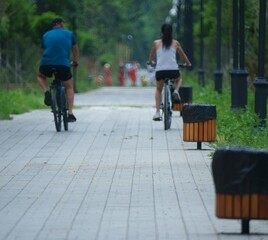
pixel 172 74
pixel 62 73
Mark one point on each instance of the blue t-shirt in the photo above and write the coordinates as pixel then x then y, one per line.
pixel 57 44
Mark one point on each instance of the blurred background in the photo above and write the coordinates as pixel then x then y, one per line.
pixel 117 35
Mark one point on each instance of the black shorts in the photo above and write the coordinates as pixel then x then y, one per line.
pixel 62 73
pixel 171 74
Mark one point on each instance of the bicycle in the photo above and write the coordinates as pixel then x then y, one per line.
pixel 59 104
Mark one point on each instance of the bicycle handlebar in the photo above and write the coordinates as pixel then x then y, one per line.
pixel 153 64
pixel 184 65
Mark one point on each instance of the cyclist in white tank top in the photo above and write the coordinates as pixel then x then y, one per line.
pixel 165 50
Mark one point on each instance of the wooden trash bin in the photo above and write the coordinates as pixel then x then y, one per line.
pixel 199 123
pixel 186 97
pixel 241 182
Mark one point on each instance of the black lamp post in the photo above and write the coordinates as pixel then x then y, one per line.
pixel 188 30
pixel 242 73
pixel 201 71
pixel 260 83
pixel 239 76
pixel 234 86
pixel 218 72
pixel 179 19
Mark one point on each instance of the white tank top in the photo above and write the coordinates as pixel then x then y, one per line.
pixel 166 59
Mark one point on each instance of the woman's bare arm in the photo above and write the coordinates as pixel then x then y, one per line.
pixel 152 53
pixel 182 54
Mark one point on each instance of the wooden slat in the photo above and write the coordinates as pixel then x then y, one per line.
pixel 262 206
pixel 213 130
pixel 217 204
pixel 254 200
pixel 229 206
pixel 191 136
pixel 205 139
pixel 209 130
pixel 196 132
pixel 186 131
pixel 189 131
pixel 220 205
pixel 200 131
pixel 266 206
pixel 237 206
pixel 245 206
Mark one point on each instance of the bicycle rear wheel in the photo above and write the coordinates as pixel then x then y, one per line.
pixel 55 108
pixel 167 111
pixel 64 109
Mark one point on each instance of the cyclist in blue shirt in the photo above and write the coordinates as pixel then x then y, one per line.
pixel 57 46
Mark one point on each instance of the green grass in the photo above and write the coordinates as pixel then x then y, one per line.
pixel 18 101
pixel 234 127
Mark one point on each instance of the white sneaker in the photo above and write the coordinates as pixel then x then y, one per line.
pixel 157 116
pixel 176 96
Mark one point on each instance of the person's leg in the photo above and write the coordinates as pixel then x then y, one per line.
pixel 42 80
pixel 69 94
pixel 158 94
pixel 177 83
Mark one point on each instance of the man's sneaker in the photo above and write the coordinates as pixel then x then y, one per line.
pixel 157 116
pixel 176 96
pixel 47 99
pixel 71 118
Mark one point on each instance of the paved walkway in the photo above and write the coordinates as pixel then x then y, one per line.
pixel 115 174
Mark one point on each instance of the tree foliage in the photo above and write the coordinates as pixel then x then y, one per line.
pixel 113 31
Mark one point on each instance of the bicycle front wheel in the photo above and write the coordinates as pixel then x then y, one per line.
pixel 167 111
pixel 55 108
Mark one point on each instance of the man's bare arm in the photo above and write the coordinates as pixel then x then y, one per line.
pixel 75 52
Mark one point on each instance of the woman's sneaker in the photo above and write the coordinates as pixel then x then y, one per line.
pixel 176 96
pixel 157 116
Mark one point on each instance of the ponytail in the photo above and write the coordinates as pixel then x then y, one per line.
pixel 166 31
